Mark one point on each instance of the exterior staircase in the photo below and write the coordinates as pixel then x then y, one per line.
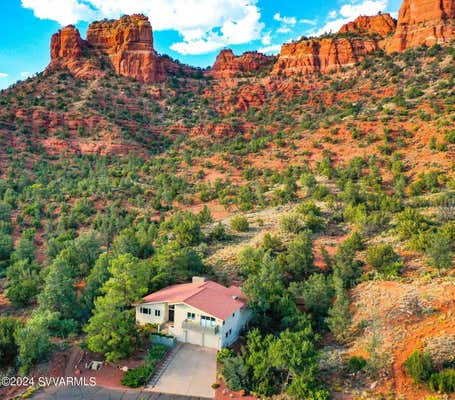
pixel 163 366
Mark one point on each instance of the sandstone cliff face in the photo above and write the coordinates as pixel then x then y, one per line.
pixel 381 24
pixel 129 44
pixel 423 22
pixel 228 65
pixel 322 55
pixel 66 42
pixel 68 52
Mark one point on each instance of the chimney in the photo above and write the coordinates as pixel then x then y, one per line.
pixel 198 279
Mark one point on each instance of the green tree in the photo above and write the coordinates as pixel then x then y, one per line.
pixel 299 260
pixel 339 317
pixel 112 328
pixel 59 297
pixel 317 293
pixel 383 258
pixel 23 282
pixel 440 252
pixel 95 281
pixel 33 340
pixel 8 346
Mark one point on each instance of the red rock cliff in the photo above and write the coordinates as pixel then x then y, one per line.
pixel 228 65
pixel 68 52
pixel 423 22
pixel 66 43
pixel 322 55
pixel 129 44
pixel 381 24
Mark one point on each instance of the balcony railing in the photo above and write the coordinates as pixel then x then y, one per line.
pixel 188 324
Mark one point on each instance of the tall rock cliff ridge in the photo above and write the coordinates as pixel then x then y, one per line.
pixel 423 22
pixel 228 65
pixel 126 46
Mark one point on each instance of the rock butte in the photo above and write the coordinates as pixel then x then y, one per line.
pixel 126 46
pixel 229 65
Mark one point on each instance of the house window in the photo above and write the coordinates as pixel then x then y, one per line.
pixel 233 314
pixel 190 315
pixel 145 310
pixel 207 321
pixel 228 333
pixel 157 313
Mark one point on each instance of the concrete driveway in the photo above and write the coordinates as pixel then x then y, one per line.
pixel 191 372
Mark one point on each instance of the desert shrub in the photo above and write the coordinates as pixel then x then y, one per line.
pixel 443 381
pixel 224 354
pixel 218 233
pixel 156 353
pixel 383 258
pixel 291 223
pixel 240 224
pixel 419 366
pixel 136 377
pixel 356 364
pixel 235 373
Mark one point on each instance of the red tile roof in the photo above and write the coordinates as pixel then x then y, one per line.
pixel 209 297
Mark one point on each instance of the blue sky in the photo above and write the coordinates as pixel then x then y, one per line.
pixel 193 31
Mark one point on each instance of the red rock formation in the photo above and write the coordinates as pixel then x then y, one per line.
pixel 228 65
pixel 129 44
pixel 423 22
pixel 381 24
pixel 67 52
pixel 66 43
pixel 322 55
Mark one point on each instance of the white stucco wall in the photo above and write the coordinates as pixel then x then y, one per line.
pixel 152 319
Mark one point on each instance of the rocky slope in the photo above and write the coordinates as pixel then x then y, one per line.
pixel 423 22
pixel 228 65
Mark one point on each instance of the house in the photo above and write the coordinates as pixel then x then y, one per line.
pixel 201 312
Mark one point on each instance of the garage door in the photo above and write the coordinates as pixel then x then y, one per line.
pixel 193 337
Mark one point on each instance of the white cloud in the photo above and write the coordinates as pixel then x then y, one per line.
pixel 308 21
pixel 204 25
pixel 283 29
pixel 266 38
pixel 3 75
pixel 350 11
pixel 63 11
pixel 285 20
pixel 26 74
pixel 272 49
